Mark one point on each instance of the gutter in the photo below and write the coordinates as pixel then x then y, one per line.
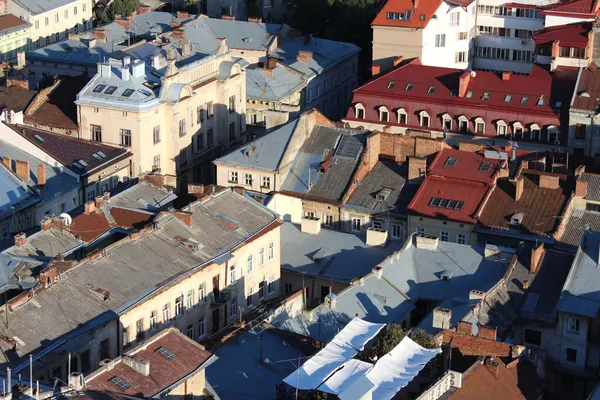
pixel 576 86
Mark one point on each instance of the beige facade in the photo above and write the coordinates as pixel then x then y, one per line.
pixel 392 42
pixel 456 231
pixel 180 136
pixel 316 288
pixel 324 211
pixel 250 179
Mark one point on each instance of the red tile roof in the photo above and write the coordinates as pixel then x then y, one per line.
pixel 420 14
pixel 588 90
pixel 129 218
pixel 9 21
pixel 470 193
pixel 541 207
pixel 90 226
pixel 476 346
pixel 467 166
pixel 571 35
pixel 189 356
pixel 572 7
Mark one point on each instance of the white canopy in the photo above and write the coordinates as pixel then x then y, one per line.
pixel 344 346
pixel 342 379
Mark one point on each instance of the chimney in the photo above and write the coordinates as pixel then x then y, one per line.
pixel 331 300
pixel 304 55
pixel 378 271
pixel 156 61
pixel 548 182
pixel 184 217
pixel 3 7
pixel 21 63
pixel 416 4
pixel 519 188
pixel 307 38
pixel 311 225
pixel 22 169
pixel 596 42
pixel 76 381
pixel 506 75
pixel 464 328
pixel 271 63
pixel 20 239
pixel 7 162
pixel 377 237
pixel 536 257
pixel 417 167
pixel 228 17
pixel 186 48
pixel 46 223
pixel 375 69
pixel 175 24
pixel 182 15
pixel 106 196
pixel 195 189
pixel 398 60
pixel 492 366
pixel 487 332
pixel 442 318
pixel 472 147
pixel 255 20
pixel 581 188
pixel 91 42
pixel 426 242
pixel 526 284
pixel 144 9
pixel 99 202
pixel 100 33
pixel 179 33
pixel 90 206
pixel 138 364
pixel 125 73
pixel 155 178
pixel 41 175
pixel 105 70
pixel 463 83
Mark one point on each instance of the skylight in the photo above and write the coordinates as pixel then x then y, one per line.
pixel 431 90
pixel 110 90
pixel 166 353
pixel 409 87
pixel 447 204
pixel 391 85
pixel 395 15
pixel 383 194
pixel 453 93
pixel 485 167
pixel 145 92
pixel 524 100
pixel 541 102
pixel 96 156
pixel 99 88
pixel 76 164
pixel 451 162
pixel 151 85
pixel 486 96
pixel 127 92
pixel 120 382
pixel 38 137
pixel 469 94
pixel 83 163
pixel 507 98
pixel 422 17
pixel 101 154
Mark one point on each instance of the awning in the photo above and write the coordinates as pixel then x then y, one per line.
pixel 342 379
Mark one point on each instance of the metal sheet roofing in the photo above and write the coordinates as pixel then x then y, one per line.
pixel 577 222
pixel 41 6
pixel 278 85
pixel 593 191
pixel 74 51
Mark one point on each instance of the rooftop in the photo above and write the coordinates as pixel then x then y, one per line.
pixel 501 207
pixel 570 35
pixel 14 193
pixel 330 255
pixel 142 195
pixel 587 90
pixel 74 51
pixel 276 85
pixel 572 7
pixel 466 165
pixel 576 223
pixel 10 23
pixel 45 245
pixel 41 6
pixel 145 25
pixel 188 359
pixel 15 98
pixel 593 189
pixel 411 14
pixel 69 150
pixel 131 270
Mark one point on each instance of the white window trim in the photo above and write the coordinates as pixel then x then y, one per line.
pixel 357 107
pixel 446 117
pixel 479 120
pixel 383 109
pixel 424 114
pixel 401 111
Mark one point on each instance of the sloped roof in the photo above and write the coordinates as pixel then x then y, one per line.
pixel 281 83
pixel 577 222
pixel 74 51
pixel 16 98
pixel 468 166
pixel 570 35
pixel 587 90
pixel 593 190
pixel 572 7
pixel 10 22
pixel 426 9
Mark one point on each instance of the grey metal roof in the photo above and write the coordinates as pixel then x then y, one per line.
pixel 74 51
pixel 385 175
pixel 331 255
pixel 14 194
pixel 16 273
pixel 143 196
pixel 143 26
pixel 577 221
pixel 581 291
pixel 282 83
pixel 41 6
pixel 264 153
pixel 130 271
pixel 593 180
pixel 45 245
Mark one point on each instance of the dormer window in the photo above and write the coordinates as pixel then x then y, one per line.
pixel 516 219
pixel 402 116
pixel 424 119
pixel 431 90
pixel 359 111
pixel 391 85
pixel 541 102
pixel 383 194
pixel 447 122
pixel 409 87
pixel 479 125
pixel 384 114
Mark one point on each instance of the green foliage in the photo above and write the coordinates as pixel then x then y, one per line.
pixel 121 7
pixel 394 334
pixel 191 6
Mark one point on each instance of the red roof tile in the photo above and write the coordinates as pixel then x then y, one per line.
pixel 9 21
pixel 467 166
pixel 89 226
pixel 576 7
pixel 476 346
pixel 419 14
pixel 468 192
pixel 129 218
pixel 571 35
pixel 189 356
pixel 588 90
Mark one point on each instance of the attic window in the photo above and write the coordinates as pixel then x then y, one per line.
pixel 516 219
pixel 99 88
pixel 541 102
pixel 96 156
pixel 524 100
pixel 431 90
pixel 76 164
pixel 409 87
pixel 145 92
pixel 38 137
pixel 422 17
pixel 383 194
pixel 110 90
pixel 445 275
pixel 83 163
pixel 485 167
pixel 408 15
pixel 584 94
pixel 101 154
pixel 151 85
pixel 120 382
pixel 395 15
pixel 469 94
pixel 507 98
pixel 127 92
pixel 166 353
pixel 391 85
pixel 486 96
pixel 451 162
pixel 434 202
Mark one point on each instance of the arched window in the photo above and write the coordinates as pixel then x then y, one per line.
pixel 535 132
pixel 463 123
pixel 384 114
pixel 479 125
pixel 402 116
pixel 501 128
pixel 552 134
pixel 518 130
pixel 359 111
pixel 447 122
pixel 424 119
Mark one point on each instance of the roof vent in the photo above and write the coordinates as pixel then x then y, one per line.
pixel 320 254
pixel 446 275
pixel 516 218
pixel 383 194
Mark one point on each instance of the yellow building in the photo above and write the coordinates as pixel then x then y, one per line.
pixel 53 20
pixel 177 111
pixel 14 36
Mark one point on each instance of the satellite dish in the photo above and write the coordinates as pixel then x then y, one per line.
pixel 473 74
pixel 67 218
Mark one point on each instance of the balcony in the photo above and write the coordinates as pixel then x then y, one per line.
pixel 220 298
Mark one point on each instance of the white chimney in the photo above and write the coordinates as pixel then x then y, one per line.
pixel 105 70
pixel 138 364
pixel 442 318
pixel 125 73
pixel 138 70
pixel 426 242
pixel 126 60
pixel 331 300
pixel 311 225
pixel 377 237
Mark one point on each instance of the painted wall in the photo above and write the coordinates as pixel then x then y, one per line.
pixel 391 42
pixel 433 227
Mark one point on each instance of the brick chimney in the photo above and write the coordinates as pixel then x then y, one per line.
pixel 271 63
pixel 195 188
pixel 182 15
pixel 22 169
pixel 506 75
pixel 179 33
pixel 398 60
pixel 417 167
pixel 155 178
pixel 519 184
pixel 3 7
pixel 463 83
pixel 125 22
pixel 255 20
pixel 493 367
pixel 175 24
pixel 487 332
pixel 464 328
pixel 20 239
pixel 41 175
pixel 144 9
pixel 7 162
pixel 304 55
pixel 90 206
pixel 581 188
pixel 375 69
pixel 99 201
pixel 184 217
pixel 228 17
pixel 99 33
pixel 548 182
pixel 536 257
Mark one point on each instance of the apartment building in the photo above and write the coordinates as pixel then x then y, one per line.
pixel 439 33
pixel 176 113
pixel 584 134
pixel 14 36
pixel 54 20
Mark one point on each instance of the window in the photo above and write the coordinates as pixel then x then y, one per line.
pixel 462 35
pixel 451 162
pixel 447 123
pixel 356 222
pixel 84 7
pixel 571 355
pixel 318 90
pixel 125 135
pixel 444 236
pixel 232 103
pixel 249 298
pixel 156 161
pixel 261 257
pixel 360 113
pixel 391 85
pixel 125 336
pixel 328 220
pixel 201 329
pixel 46 21
pixel 271 287
pixel 440 40
pixel 190 331
pixel 460 57
pixel 182 127
pixel 104 351
pixel 37 24
pixel 166 312
pixel 573 325
pixel 120 382
pixel 424 119
pixel 190 299
pixel 66 14
pixel 431 90
pixel 156 134
pixel 127 93
pixel 232 275
pixel 454 19
pixel 479 126
pixel 518 131
pixel 287 288
pixel 261 289
pixel 179 305
pixel 383 115
pixel 409 87
pixel 201 292
pixel 402 116
pixel 396 231
pixel 271 251
pixel 578 53
pixel 486 96
pixel 233 307
pixel 248 179
pixel 210 109
pixel 96 133
pixel 152 320
pixel 580 131
pixel 233 177
pixel 183 156
pixel 56 17
pixel 533 337
pixel 420 230
pixel 461 239
pixel 249 263
pixel 139 329
pixel 232 131
pixel 199 114
pixel 75 10
pixel 266 182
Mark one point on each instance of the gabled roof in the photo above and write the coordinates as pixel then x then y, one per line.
pixel 421 13
pixel 593 189
pixel 73 51
pixel 465 165
pixel 16 98
pixel 580 7
pixel 11 23
pixel 587 90
pixel 145 25
pixel 570 35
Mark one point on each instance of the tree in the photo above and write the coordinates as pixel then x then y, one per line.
pixel 394 334
pixel 121 7
pixel 191 6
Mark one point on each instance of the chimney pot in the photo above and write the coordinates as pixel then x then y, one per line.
pixel 375 69
pixel 487 332
pixel 398 61
pixel 7 162
pixel 506 75
pixel 20 239
pixel 22 169
pixel 581 188
pixel 464 328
